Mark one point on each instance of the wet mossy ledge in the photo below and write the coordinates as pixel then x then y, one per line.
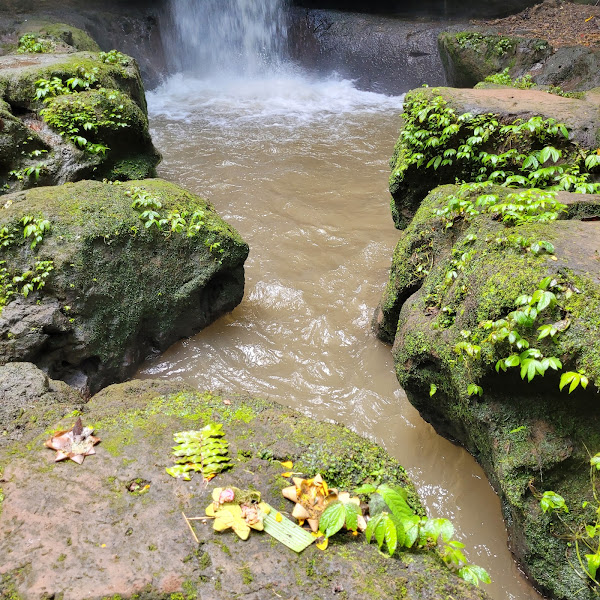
pixel 69 112
pixel 493 303
pixel 133 545
pixel 95 276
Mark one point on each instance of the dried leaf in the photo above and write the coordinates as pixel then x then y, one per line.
pixel 75 443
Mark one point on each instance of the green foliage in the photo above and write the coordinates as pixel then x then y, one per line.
pixel 32 230
pixel 583 530
pixel 482 44
pixel 338 515
pixel 81 115
pixel 29 43
pixel 395 524
pixel 478 148
pixel 574 378
pixel 203 451
pixel 503 78
pixel 114 57
pixel 149 208
pixel 515 333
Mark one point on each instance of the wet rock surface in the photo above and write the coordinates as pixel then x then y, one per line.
pixel 529 437
pixel 115 290
pixel 114 526
pixel 383 54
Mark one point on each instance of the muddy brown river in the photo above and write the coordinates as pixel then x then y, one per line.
pixel 299 167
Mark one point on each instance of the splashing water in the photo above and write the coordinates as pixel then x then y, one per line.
pixel 244 37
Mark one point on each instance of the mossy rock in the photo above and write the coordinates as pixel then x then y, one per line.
pixel 101 132
pixel 470 56
pixel 136 544
pixel 117 289
pixel 445 284
pixel 62 35
pixel 411 181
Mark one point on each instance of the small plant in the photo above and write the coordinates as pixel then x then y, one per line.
pixel 29 43
pixel 395 524
pixel 205 451
pixel 114 57
pixel 503 78
pixel 584 533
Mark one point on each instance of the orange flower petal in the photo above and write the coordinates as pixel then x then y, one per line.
pixel 287 474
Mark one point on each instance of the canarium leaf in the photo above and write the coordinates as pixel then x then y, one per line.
pixel 203 451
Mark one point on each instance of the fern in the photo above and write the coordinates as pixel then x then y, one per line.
pixel 205 451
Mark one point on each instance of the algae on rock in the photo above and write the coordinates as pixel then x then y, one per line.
pixel 527 436
pixel 117 289
pixel 139 544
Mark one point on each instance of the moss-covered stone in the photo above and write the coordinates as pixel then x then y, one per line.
pixel 136 422
pixel 529 437
pixel 94 127
pixel 116 289
pixel 444 131
pixel 470 56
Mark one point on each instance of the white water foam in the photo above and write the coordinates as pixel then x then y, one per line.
pixel 290 98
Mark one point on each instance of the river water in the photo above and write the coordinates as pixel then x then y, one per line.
pixel 299 167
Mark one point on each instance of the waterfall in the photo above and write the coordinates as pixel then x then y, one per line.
pixel 231 37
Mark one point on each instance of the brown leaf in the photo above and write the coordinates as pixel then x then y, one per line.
pixel 75 443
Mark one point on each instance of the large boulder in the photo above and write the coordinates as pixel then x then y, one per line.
pixel 88 120
pixel 94 276
pixel 378 53
pixel 113 527
pixel 445 132
pixel 458 274
pixel 471 56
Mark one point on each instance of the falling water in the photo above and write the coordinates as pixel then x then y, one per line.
pixel 232 37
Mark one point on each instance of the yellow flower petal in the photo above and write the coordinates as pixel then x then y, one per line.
pixel 288 464
pixel 322 545
pixel 278 517
pixel 287 474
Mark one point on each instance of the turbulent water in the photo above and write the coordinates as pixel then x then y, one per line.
pixel 299 167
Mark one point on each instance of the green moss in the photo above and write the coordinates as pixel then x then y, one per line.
pixel 139 167
pixel 247 576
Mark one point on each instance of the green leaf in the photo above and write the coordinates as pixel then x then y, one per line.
pixel 332 519
pixel 432 389
pixel 395 498
pixel 366 488
pixel 474 574
pixel 593 563
pixel 411 527
pixel 352 513
pixel 552 501
pixel 372 526
pixel 595 461
pixel 390 534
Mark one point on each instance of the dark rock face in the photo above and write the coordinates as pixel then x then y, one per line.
pixel 23 389
pixel 132 27
pixel 470 56
pixel 115 289
pixel 98 536
pixel 382 54
pixel 437 8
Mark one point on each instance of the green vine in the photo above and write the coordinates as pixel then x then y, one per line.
pixel 479 148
